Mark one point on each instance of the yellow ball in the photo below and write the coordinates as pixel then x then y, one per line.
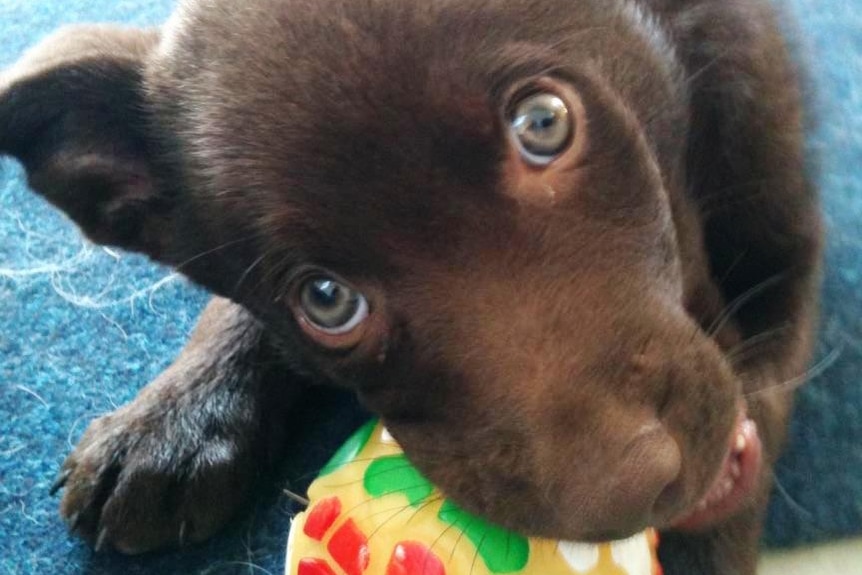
pixel 372 513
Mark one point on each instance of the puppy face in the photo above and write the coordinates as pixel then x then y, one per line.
pixel 469 213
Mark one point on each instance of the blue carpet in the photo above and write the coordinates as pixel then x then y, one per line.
pixel 81 328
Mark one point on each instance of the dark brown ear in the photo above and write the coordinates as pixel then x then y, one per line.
pixel 74 112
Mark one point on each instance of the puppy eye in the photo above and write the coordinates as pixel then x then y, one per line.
pixel 329 307
pixel 542 127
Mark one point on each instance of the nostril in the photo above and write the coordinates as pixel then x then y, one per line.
pixel 650 466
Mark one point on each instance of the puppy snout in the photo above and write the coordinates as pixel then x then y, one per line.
pixel 652 463
pixel 634 491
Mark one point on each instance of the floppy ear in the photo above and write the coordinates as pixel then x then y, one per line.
pixel 75 113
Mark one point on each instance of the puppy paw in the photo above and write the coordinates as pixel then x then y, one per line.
pixel 155 474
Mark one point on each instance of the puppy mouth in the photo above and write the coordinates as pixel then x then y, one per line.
pixel 734 484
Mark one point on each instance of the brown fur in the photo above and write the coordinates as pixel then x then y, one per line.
pixel 540 340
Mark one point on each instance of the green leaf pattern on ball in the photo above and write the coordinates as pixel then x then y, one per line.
pixel 501 550
pixel 395 474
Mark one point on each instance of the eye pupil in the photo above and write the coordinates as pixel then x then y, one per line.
pixel 546 121
pixel 325 293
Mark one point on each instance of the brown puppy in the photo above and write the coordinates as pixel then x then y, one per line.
pixel 543 229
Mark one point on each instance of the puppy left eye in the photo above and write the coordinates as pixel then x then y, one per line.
pixel 328 308
pixel 541 127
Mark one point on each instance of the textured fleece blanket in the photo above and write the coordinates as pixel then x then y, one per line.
pixel 81 328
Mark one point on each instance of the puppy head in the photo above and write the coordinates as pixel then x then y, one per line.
pixel 464 211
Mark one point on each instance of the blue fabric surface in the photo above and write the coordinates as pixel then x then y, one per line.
pixel 81 328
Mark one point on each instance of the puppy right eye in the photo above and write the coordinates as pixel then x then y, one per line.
pixel 329 311
pixel 541 127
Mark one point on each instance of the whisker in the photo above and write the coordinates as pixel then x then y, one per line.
pixel 223 246
pixel 795 505
pixel 694 76
pixel 275 273
pixel 387 520
pixel 397 509
pixel 793 383
pixel 248 271
pixel 399 512
pixel 726 196
pixel 384 494
pixel 478 551
pixel 424 505
pixel 722 282
pixel 508 544
pixel 461 536
pixel 440 537
pixel 687 82
pixel 278 274
pixel 740 301
pixel 740 350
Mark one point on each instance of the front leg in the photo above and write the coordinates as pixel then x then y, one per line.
pixel 175 464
